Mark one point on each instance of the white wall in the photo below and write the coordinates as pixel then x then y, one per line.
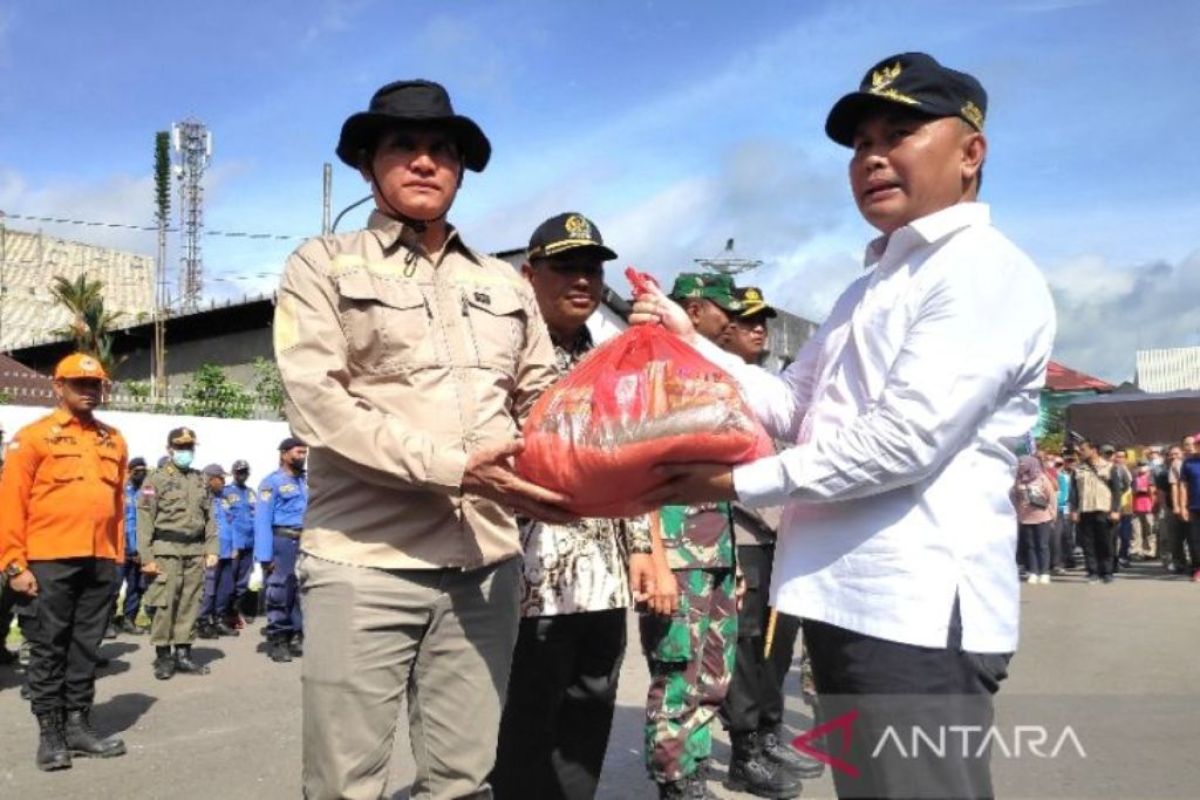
pixel 220 441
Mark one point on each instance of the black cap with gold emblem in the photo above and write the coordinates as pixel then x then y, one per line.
pixel 181 437
pixel 564 232
pixel 753 303
pixel 915 81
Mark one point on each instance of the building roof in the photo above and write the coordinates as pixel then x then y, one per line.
pixel 24 386
pixel 30 261
pixel 1061 378
pixel 1173 369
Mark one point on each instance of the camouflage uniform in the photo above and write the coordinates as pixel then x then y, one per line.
pixel 690 654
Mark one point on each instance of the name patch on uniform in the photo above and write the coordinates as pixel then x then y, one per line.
pixel 265 494
pixel 148 490
pixel 287 488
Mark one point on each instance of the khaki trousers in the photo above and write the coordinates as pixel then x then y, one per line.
pixel 175 598
pixel 1144 539
pixel 441 638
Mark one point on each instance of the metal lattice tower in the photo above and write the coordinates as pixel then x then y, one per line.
pixel 728 262
pixel 191 149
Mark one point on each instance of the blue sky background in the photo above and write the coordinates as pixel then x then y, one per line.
pixel 674 125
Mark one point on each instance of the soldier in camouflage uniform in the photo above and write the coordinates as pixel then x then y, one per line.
pixel 174 520
pixel 691 652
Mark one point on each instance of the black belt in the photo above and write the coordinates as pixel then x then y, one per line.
pixel 178 537
pixel 290 533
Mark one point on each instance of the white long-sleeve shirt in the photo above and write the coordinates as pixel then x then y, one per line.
pixel 901 407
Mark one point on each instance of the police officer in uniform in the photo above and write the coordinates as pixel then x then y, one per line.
pixel 278 520
pixel 240 500
pixel 763 758
pixel 126 614
pixel 176 524
pixel 218 580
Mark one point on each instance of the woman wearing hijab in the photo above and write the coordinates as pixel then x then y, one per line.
pixel 1033 495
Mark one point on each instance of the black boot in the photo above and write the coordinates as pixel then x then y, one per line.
pixel 693 787
pixel 184 662
pixel 750 771
pixel 82 739
pixel 799 764
pixel 52 752
pixel 110 630
pixel 223 628
pixel 277 649
pixel 164 663
pixel 205 628
pixel 296 645
pixel 130 627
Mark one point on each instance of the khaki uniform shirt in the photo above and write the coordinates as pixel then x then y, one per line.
pixel 1095 488
pixel 396 364
pixel 174 514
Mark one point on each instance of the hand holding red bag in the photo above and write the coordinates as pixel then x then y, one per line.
pixel 643 399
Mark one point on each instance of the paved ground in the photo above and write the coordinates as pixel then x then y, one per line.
pixel 1118 662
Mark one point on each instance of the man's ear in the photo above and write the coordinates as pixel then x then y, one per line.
pixel 527 271
pixel 974 150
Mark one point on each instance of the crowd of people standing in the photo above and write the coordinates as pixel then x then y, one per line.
pixel 1105 508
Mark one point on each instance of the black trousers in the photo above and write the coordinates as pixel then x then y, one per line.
pixel 561 693
pixel 8 604
pixel 65 625
pixel 871 685
pixel 754 701
pixel 1193 538
pixel 1095 531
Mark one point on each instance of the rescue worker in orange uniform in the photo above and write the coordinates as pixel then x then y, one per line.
pixel 61 537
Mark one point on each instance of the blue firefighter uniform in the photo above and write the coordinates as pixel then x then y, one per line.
pixel 131 571
pixel 218 580
pixel 239 504
pixel 278 519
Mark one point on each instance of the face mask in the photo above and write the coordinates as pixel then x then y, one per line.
pixel 182 458
pixel 1156 461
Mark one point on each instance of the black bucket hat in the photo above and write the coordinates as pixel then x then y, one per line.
pixel 412 101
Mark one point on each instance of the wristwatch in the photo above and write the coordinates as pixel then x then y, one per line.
pixel 13 569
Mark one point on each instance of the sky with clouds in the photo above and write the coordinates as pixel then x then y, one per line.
pixel 674 124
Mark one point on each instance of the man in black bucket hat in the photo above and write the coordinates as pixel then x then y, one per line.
pixel 409 361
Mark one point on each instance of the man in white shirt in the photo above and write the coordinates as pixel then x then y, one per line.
pixel 897 540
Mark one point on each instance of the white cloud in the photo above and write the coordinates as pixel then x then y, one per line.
pixel 335 16
pixel 1106 312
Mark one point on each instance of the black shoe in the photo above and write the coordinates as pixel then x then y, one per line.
pixel 205 629
pixel 82 739
pixel 750 771
pixel 132 628
pixel 184 663
pixel 223 628
pixel 1107 579
pixel 52 752
pixel 164 667
pixel 799 764
pixel 296 645
pixel 278 650
pixel 25 693
pixel 110 631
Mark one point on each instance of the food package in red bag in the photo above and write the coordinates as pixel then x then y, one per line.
pixel 642 399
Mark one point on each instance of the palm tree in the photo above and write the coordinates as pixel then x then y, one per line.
pixel 90 326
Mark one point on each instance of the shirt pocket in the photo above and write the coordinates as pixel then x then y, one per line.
pixel 495 320
pixel 65 464
pixel 110 468
pixel 386 322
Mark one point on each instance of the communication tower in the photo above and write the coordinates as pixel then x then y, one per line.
pixel 191 149
pixel 728 262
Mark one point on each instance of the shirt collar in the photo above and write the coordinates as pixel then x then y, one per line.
pixel 577 346
pixel 391 231
pixel 925 231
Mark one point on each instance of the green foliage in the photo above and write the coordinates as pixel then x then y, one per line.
pixel 162 177
pixel 268 386
pixel 1054 431
pixel 90 326
pixel 212 394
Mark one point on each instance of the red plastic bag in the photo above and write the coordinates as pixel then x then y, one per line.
pixel 642 399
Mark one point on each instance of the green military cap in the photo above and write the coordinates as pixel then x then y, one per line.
pixel 717 288
pixel 753 303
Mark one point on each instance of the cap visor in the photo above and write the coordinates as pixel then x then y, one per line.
pixel 758 308
pixel 558 248
pixel 848 112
